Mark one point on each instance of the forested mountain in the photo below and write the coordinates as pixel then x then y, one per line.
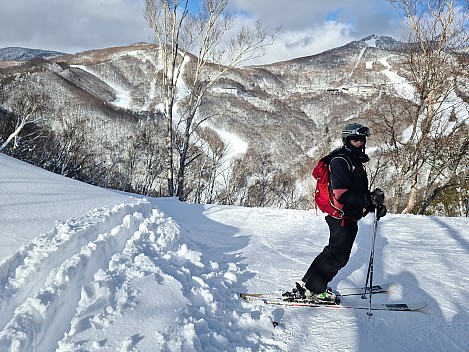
pixel 96 116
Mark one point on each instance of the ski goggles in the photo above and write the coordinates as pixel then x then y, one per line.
pixel 360 131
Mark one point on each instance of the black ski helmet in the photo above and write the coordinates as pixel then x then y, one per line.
pixel 354 130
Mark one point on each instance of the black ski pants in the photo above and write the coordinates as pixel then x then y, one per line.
pixel 334 256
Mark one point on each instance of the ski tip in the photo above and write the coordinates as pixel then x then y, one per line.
pixel 417 305
pixel 247 295
pixel 413 306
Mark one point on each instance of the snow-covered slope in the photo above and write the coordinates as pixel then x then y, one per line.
pixel 88 269
pixel 26 54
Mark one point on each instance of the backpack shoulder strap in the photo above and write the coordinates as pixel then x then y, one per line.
pixel 347 160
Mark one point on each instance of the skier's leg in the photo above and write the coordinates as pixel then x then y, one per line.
pixel 334 256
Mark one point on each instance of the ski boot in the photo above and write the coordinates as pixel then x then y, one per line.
pixel 301 294
pixel 326 297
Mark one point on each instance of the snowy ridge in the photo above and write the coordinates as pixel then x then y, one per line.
pixel 26 54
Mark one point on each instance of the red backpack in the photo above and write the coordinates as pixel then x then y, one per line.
pixel 323 196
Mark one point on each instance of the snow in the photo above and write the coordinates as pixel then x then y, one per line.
pixel 235 148
pixel 402 88
pixel 359 59
pixel 123 99
pixel 90 269
pixel 371 42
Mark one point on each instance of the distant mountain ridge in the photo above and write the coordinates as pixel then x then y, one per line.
pixel 285 114
pixel 26 54
pixel 265 124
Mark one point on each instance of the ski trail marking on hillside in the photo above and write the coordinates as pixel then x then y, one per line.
pixel 402 87
pixel 360 55
pixel 123 96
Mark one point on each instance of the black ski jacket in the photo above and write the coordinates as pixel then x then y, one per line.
pixel 349 182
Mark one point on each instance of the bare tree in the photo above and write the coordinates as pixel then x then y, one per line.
pixel 436 32
pixel 179 33
pixel 26 109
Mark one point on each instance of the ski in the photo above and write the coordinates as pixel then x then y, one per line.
pixel 349 291
pixel 353 291
pixel 349 305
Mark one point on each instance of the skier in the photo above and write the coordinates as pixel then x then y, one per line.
pixel 349 185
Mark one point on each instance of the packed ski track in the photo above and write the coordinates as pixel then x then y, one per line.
pixel 88 269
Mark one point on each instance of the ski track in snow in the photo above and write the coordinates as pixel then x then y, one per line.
pixel 82 279
pixel 49 271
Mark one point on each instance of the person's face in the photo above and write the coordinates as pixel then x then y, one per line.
pixel 357 143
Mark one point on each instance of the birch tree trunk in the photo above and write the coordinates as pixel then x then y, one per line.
pixel 179 34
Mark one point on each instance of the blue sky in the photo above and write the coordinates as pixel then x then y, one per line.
pixel 308 26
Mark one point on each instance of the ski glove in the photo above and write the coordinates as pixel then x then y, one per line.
pixel 377 197
pixel 375 200
pixel 382 210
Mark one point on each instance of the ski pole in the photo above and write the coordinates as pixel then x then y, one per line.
pixel 369 276
pixel 370 262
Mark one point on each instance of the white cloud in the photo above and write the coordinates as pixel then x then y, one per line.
pixel 308 26
pixel 312 26
pixel 308 41
pixel 71 25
